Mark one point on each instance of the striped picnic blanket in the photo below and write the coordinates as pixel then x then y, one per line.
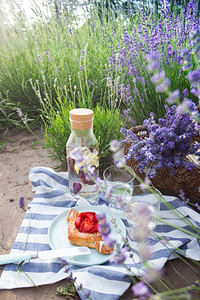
pixel 106 281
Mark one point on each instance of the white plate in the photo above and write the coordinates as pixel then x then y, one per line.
pixel 58 239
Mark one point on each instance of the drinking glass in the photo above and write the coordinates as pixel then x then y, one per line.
pixel 140 200
pixel 116 181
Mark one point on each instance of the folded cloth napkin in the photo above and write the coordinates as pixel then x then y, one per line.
pixel 106 281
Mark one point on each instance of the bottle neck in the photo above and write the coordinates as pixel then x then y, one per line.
pixel 82 132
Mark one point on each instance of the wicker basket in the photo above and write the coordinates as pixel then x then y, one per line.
pixel 182 179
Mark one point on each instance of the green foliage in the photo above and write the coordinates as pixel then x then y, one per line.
pixel 68 291
pixel 1 145
pixel 52 48
pixel 57 131
pixel 107 124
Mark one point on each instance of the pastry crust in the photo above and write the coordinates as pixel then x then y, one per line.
pixel 91 240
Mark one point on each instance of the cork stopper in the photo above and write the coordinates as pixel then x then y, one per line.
pixel 81 118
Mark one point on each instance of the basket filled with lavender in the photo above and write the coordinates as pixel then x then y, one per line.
pixel 166 152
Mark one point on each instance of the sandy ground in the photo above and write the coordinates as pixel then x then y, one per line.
pixel 16 158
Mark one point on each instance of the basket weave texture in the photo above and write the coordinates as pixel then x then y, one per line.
pixel 182 179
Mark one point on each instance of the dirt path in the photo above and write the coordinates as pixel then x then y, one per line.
pixel 16 158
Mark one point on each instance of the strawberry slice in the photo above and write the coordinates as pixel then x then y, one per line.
pixel 82 214
pixel 86 225
pixel 78 222
pixel 90 215
pixel 95 229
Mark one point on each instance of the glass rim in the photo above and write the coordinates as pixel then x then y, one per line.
pixel 123 168
pixel 146 190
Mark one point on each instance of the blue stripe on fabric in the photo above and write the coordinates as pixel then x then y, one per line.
pixel 33 230
pixel 176 203
pixel 161 238
pixel 162 253
pixel 198 223
pixel 40 182
pixel 97 295
pixel 108 274
pixel 50 195
pixel 57 203
pixel 138 265
pixel 102 199
pixel 42 217
pixel 183 247
pixel 168 228
pixel 163 228
pixel 52 175
pixel 125 223
pixel 30 246
pixel 35 267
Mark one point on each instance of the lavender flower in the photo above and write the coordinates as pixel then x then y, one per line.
pixel 105 230
pixel 145 252
pixel 163 87
pixel 109 241
pixel 85 160
pixel 185 57
pixel 183 196
pixel 104 227
pixel 141 290
pixel 153 67
pixel 98 184
pixel 70 32
pixel 194 76
pixel 173 97
pixel 195 40
pixel 120 256
pixel 63 262
pixel 101 216
pixel 19 112
pixel 119 158
pixel 21 202
pixel 186 106
pixel 115 145
pixel 109 192
pixel 158 77
pixel 151 275
pixel 185 93
pixel 118 155
pixel 39 57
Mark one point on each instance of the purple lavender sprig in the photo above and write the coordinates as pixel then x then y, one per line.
pixel 194 78
pixel 187 200
pixel 105 230
pixel 72 280
pixel 21 115
pixel 141 290
pixel 21 202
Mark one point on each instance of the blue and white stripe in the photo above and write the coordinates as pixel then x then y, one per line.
pixel 109 280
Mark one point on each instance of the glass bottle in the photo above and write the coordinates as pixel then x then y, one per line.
pixel 82 144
